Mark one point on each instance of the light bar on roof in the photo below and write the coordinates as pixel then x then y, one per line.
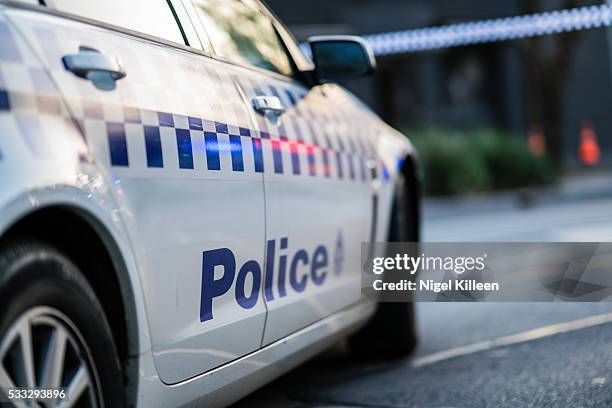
pixel 502 29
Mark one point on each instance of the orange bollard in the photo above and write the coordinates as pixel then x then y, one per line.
pixel 588 151
pixel 536 141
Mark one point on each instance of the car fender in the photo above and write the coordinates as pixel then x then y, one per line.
pixel 104 217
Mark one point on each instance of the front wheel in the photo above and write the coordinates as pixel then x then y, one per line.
pixel 392 331
pixel 56 347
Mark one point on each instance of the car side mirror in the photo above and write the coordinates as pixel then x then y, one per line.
pixel 341 57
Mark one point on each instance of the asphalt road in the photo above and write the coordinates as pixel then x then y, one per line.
pixel 480 355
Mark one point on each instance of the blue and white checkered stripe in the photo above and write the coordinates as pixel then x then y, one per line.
pixel 201 144
pixel 29 103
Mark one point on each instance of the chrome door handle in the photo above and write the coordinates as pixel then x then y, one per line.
pixel 90 64
pixel 373 167
pixel 268 104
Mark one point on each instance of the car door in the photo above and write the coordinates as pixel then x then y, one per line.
pixel 173 137
pixel 316 187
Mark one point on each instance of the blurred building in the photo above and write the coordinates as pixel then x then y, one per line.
pixel 555 85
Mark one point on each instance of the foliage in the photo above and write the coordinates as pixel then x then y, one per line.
pixel 457 162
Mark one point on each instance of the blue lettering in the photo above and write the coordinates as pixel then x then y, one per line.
pixel 302 256
pixel 282 267
pixel 224 258
pixel 319 261
pixel 252 267
pixel 212 288
pixel 269 270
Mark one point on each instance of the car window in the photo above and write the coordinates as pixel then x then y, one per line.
pixel 241 32
pixel 297 55
pixel 153 17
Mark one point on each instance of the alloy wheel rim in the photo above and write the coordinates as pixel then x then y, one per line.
pixel 43 349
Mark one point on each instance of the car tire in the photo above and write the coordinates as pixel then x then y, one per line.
pixel 46 299
pixel 391 333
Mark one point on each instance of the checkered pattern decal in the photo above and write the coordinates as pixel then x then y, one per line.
pixel 226 139
pixel 29 103
pixel 222 139
pixel 310 141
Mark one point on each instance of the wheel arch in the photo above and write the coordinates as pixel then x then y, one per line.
pixel 90 245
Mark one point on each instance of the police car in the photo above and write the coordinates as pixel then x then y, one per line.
pixel 183 200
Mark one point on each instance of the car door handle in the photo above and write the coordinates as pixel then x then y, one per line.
pixel 90 64
pixel 268 104
pixel 372 165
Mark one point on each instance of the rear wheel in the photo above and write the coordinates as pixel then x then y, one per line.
pixel 53 332
pixel 391 333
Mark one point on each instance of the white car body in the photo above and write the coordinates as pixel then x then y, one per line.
pixel 178 174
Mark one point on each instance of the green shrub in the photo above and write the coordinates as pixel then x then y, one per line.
pixel 456 162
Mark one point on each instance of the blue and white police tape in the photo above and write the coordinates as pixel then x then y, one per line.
pixel 502 29
pixel 486 31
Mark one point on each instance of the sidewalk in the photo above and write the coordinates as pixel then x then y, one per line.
pixel 568 189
